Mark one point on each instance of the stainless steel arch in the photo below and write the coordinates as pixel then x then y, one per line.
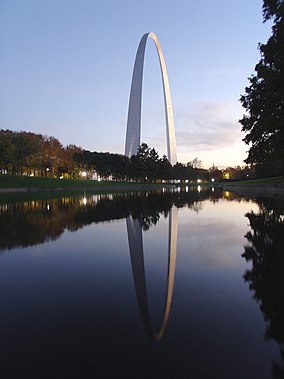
pixel 135 240
pixel 133 131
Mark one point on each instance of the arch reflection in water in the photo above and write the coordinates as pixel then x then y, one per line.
pixel 135 240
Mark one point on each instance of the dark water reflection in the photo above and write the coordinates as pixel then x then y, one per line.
pixel 143 285
pixel 33 222
pixel 265 249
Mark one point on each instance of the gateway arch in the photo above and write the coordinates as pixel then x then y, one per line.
pixel 135 240
pixel 133 131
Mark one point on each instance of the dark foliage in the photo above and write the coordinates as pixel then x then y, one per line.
pixel 264 99
pixel 23 153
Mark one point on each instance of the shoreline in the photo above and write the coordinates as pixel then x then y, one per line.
pixel 266 190
pixel 117 187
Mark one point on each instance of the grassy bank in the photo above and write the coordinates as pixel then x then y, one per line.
pixel 268 187
pixel 264 181
pixel 10 183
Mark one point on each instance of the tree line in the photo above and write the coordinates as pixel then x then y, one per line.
pixel 26 153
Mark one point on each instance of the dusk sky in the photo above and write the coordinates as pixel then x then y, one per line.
pixel 66 68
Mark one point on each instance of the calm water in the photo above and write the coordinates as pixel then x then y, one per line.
pixel 149 285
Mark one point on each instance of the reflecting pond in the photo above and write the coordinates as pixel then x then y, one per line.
pixel 162 284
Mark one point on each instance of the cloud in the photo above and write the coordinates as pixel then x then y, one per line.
pixel 204 245
pixel 209 126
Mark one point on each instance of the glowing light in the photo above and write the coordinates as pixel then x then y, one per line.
pixel 198 180
pixel 212 180
pixel 84 200
pixel 186 189
pixel 84 174
pixel 199 189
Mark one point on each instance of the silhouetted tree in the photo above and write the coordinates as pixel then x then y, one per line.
pixel 264 99
pixel 215 173
pixel 165 168
pixel 7 151
pixel 179 171
pixel 195 163
pixel 70 168
pixel 143 152
pixel 137 169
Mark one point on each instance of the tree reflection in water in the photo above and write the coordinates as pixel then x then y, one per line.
pixel 28 223
pixel 266 277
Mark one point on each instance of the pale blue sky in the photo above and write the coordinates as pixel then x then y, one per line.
pixel 66 67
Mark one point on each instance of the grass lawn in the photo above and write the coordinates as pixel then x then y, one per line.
pixel 17 181
pixel 273 180
pixel 64 187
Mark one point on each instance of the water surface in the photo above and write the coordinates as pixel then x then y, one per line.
pixel 144 285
